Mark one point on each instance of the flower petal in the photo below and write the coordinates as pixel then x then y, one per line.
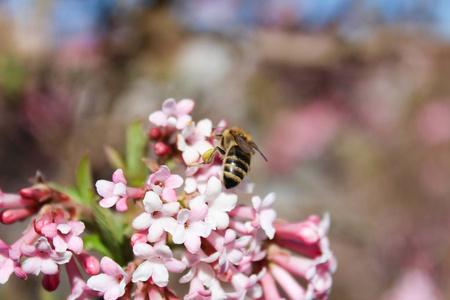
pixel 158 118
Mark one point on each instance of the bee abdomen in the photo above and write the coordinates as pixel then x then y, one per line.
pixel 236 166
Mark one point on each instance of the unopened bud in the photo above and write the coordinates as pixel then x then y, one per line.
pixel 155 133
pixel 50 282
pixel 162 149
pixel 10 216
pixel 91 266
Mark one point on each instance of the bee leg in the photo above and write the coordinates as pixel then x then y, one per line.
pixel 208 156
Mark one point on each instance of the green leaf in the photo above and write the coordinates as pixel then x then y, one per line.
pixel 93 242
pixel 114 158
pixel 84 181
pixel 111 231
pixel 136 143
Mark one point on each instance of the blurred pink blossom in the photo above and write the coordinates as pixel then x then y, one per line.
pixel 302 134
pixel 414 284
pixel 433 123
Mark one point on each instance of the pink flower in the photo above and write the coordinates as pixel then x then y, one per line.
pixel 414 284
pixel 202 275
pixel 288 283
pixel 156 265
pixel 65 236
pixel 6 263
pixel 248 286
pixel 230 247
pixel 191 225
pixel 113 193
pixel 173 114
pixel 163 183
pixel 113 282
pixel 192 141
pixel 265 215
pixel 218 204
pixel 80 291
pixel 157 217
pixel 42 258
pixel 433 123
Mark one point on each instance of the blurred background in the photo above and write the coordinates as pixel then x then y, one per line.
pixel 349 100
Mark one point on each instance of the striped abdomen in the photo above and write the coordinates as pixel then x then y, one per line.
pixel 235 166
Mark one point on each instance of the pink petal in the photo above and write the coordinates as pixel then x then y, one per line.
pixel 256 201
pixel 50 230
pixel 113 292
pixel 213 188
pixel 77 227
pixel 173 182
pixel 182 121
pixel 158 118
pixel 104 188
pixel 204 127
pixel 164 252
pixel 225 202
pixel 152 202
pixel 143 271
pixel 121 205
pixel 269 200
pixel 48 267
pixel 175 266
pixel 120 189
pixel 101 282
pixel 64 228
pixel 6 270
pixel 185 107
pixel 169 209
pixel 169 195
pixel 108 202
pixel 160 275
pixel 192 243
pixel 155 232
pixel 119 177
pixel 60 244
pixel 143 250
pixel 32 265
pixel 141 222
pixel 110 267
pixel 179 236
pixel 169 107
pixel 199 211
pixel 190 156
pixel 75 244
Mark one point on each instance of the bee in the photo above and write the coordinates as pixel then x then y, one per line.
pixel 237 147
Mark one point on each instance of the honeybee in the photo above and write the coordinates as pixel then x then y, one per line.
pixel 237 146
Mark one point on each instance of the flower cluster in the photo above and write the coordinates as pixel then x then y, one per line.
pixel 224 250
pixel 53 240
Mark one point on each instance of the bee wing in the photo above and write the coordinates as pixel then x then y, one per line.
pixel 243 144
pixel 257 149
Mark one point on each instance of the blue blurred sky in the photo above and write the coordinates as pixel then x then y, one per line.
pixel 67 18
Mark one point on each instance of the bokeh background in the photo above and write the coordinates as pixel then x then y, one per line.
pixel 348 99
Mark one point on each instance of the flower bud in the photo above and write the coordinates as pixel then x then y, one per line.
pixel 155 133
pixel 10 216
pixel 162 149
pixel 50 282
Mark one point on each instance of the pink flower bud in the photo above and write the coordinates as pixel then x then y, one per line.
pixel 138 237
pixel 162 149
pixel 91 266
pixel 50 282
pixel 10 216
pixel 155 133
pixel 35 193
pixel 89 263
